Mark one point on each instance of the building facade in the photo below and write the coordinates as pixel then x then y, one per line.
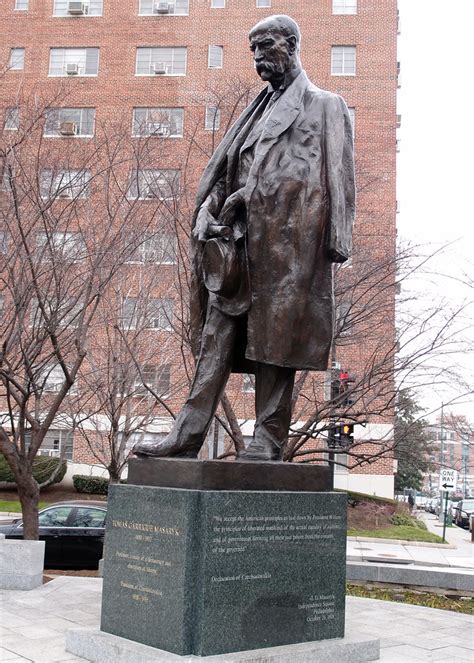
pixel 171 76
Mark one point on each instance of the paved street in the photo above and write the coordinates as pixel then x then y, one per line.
pixel 33 625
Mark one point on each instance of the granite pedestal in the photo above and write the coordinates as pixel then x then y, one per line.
pixel 21 564
pixel 207 572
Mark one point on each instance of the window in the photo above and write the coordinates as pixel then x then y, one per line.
pixel 77 8
pixel 248 384
pixel 64 184
pixel 340 464
pixel 2 306
pixel 161 62
pixel 212 121
pixel 150 184
pixel 3 242
pixel 12 119
pixel 21 5
pixel 160 8
pixel 158 249
pixel 352 116
pixel 88 517
pixel 157 378
pixel 17 59
pixel 69 122
pixel 64 313
pixel 343 319
pixel 55 440
pixel 264 3
pixel 52 378
pixel 215 57
pixel 73 61
pixel 344 6
pixel 217 4
pixel 55 517
pixel 67 244
pixel 147 314
pixel 343 60
pixel 162 122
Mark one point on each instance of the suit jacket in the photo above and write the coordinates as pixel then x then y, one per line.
pixel 300 202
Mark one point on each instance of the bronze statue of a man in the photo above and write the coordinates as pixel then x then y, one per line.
pixel 275 206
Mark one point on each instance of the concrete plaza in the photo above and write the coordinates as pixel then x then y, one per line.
pixel 34 624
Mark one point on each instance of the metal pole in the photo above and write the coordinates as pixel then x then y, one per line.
pixel 445 514
pixel 441 460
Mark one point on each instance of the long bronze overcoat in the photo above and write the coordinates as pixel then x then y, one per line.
pixel 299 200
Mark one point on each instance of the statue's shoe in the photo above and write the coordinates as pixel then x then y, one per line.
pixel 260 451
pixel 165 448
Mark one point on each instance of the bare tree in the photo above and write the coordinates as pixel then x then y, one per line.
pixel 72 213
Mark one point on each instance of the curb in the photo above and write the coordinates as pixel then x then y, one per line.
pixel 402 542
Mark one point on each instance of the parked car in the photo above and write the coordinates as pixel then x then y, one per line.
pixel 73 532
pixel 431 505
pixel 463 511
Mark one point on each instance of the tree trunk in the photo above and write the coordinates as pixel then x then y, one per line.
pixel 28 493
pixel 114 474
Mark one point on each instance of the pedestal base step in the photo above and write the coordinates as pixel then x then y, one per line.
pixel 99 647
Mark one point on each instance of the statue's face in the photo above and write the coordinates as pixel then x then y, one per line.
pixel 271 53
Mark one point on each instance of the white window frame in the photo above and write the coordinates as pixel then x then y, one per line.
pixel 154 57
pixel 52 379
pixel 16 63
pixel 248 383
pixel 140 314
pixel 156 249
pixel 60 121
pixel 150 111
pixel 210 54
pixel 58 190
pixel 344 7
pixel 153 13
pixel 218 4
pixel 145 179
pixel 22 9
pixel 159 371
pixel 68 15
pixel 216 120
pixel 71 244
pixel 81 65
pixel 12 117
pixel 263 4
pixel 343 47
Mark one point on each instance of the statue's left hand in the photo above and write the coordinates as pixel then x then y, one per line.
pixel 231 206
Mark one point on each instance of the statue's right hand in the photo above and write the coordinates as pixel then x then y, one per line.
pixel 202 228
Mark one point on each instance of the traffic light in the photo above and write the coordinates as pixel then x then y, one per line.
pixel 341 436
pixel 347 435
pixel 340 385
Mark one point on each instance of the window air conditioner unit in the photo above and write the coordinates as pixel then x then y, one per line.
pixel 67 129
pixel 164 8
pixel 158 129
pixel 77 8
pixel 159 68
pixel 64 193
pixel 72 69
pixel 148 193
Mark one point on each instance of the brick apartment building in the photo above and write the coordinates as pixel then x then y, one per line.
pixel 176 73
pixel 451 438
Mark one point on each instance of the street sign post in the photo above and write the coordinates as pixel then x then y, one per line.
pixel 448 479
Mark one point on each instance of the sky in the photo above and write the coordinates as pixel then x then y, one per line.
pixel 436 160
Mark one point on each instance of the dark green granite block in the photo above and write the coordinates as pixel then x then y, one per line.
pixel 209 572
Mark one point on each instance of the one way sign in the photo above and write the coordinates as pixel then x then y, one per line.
pixel 448 479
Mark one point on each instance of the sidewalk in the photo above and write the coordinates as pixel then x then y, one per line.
pixel 34 625
pixel 460 556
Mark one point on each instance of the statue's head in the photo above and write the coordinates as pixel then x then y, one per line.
pixel 275 43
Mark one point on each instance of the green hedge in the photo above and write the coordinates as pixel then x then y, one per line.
pixel 43 468
pixel 91 485
pixel 405 520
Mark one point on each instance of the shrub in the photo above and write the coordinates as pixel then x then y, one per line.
pixel 91 485
pixel 405 520
pixel 43 468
